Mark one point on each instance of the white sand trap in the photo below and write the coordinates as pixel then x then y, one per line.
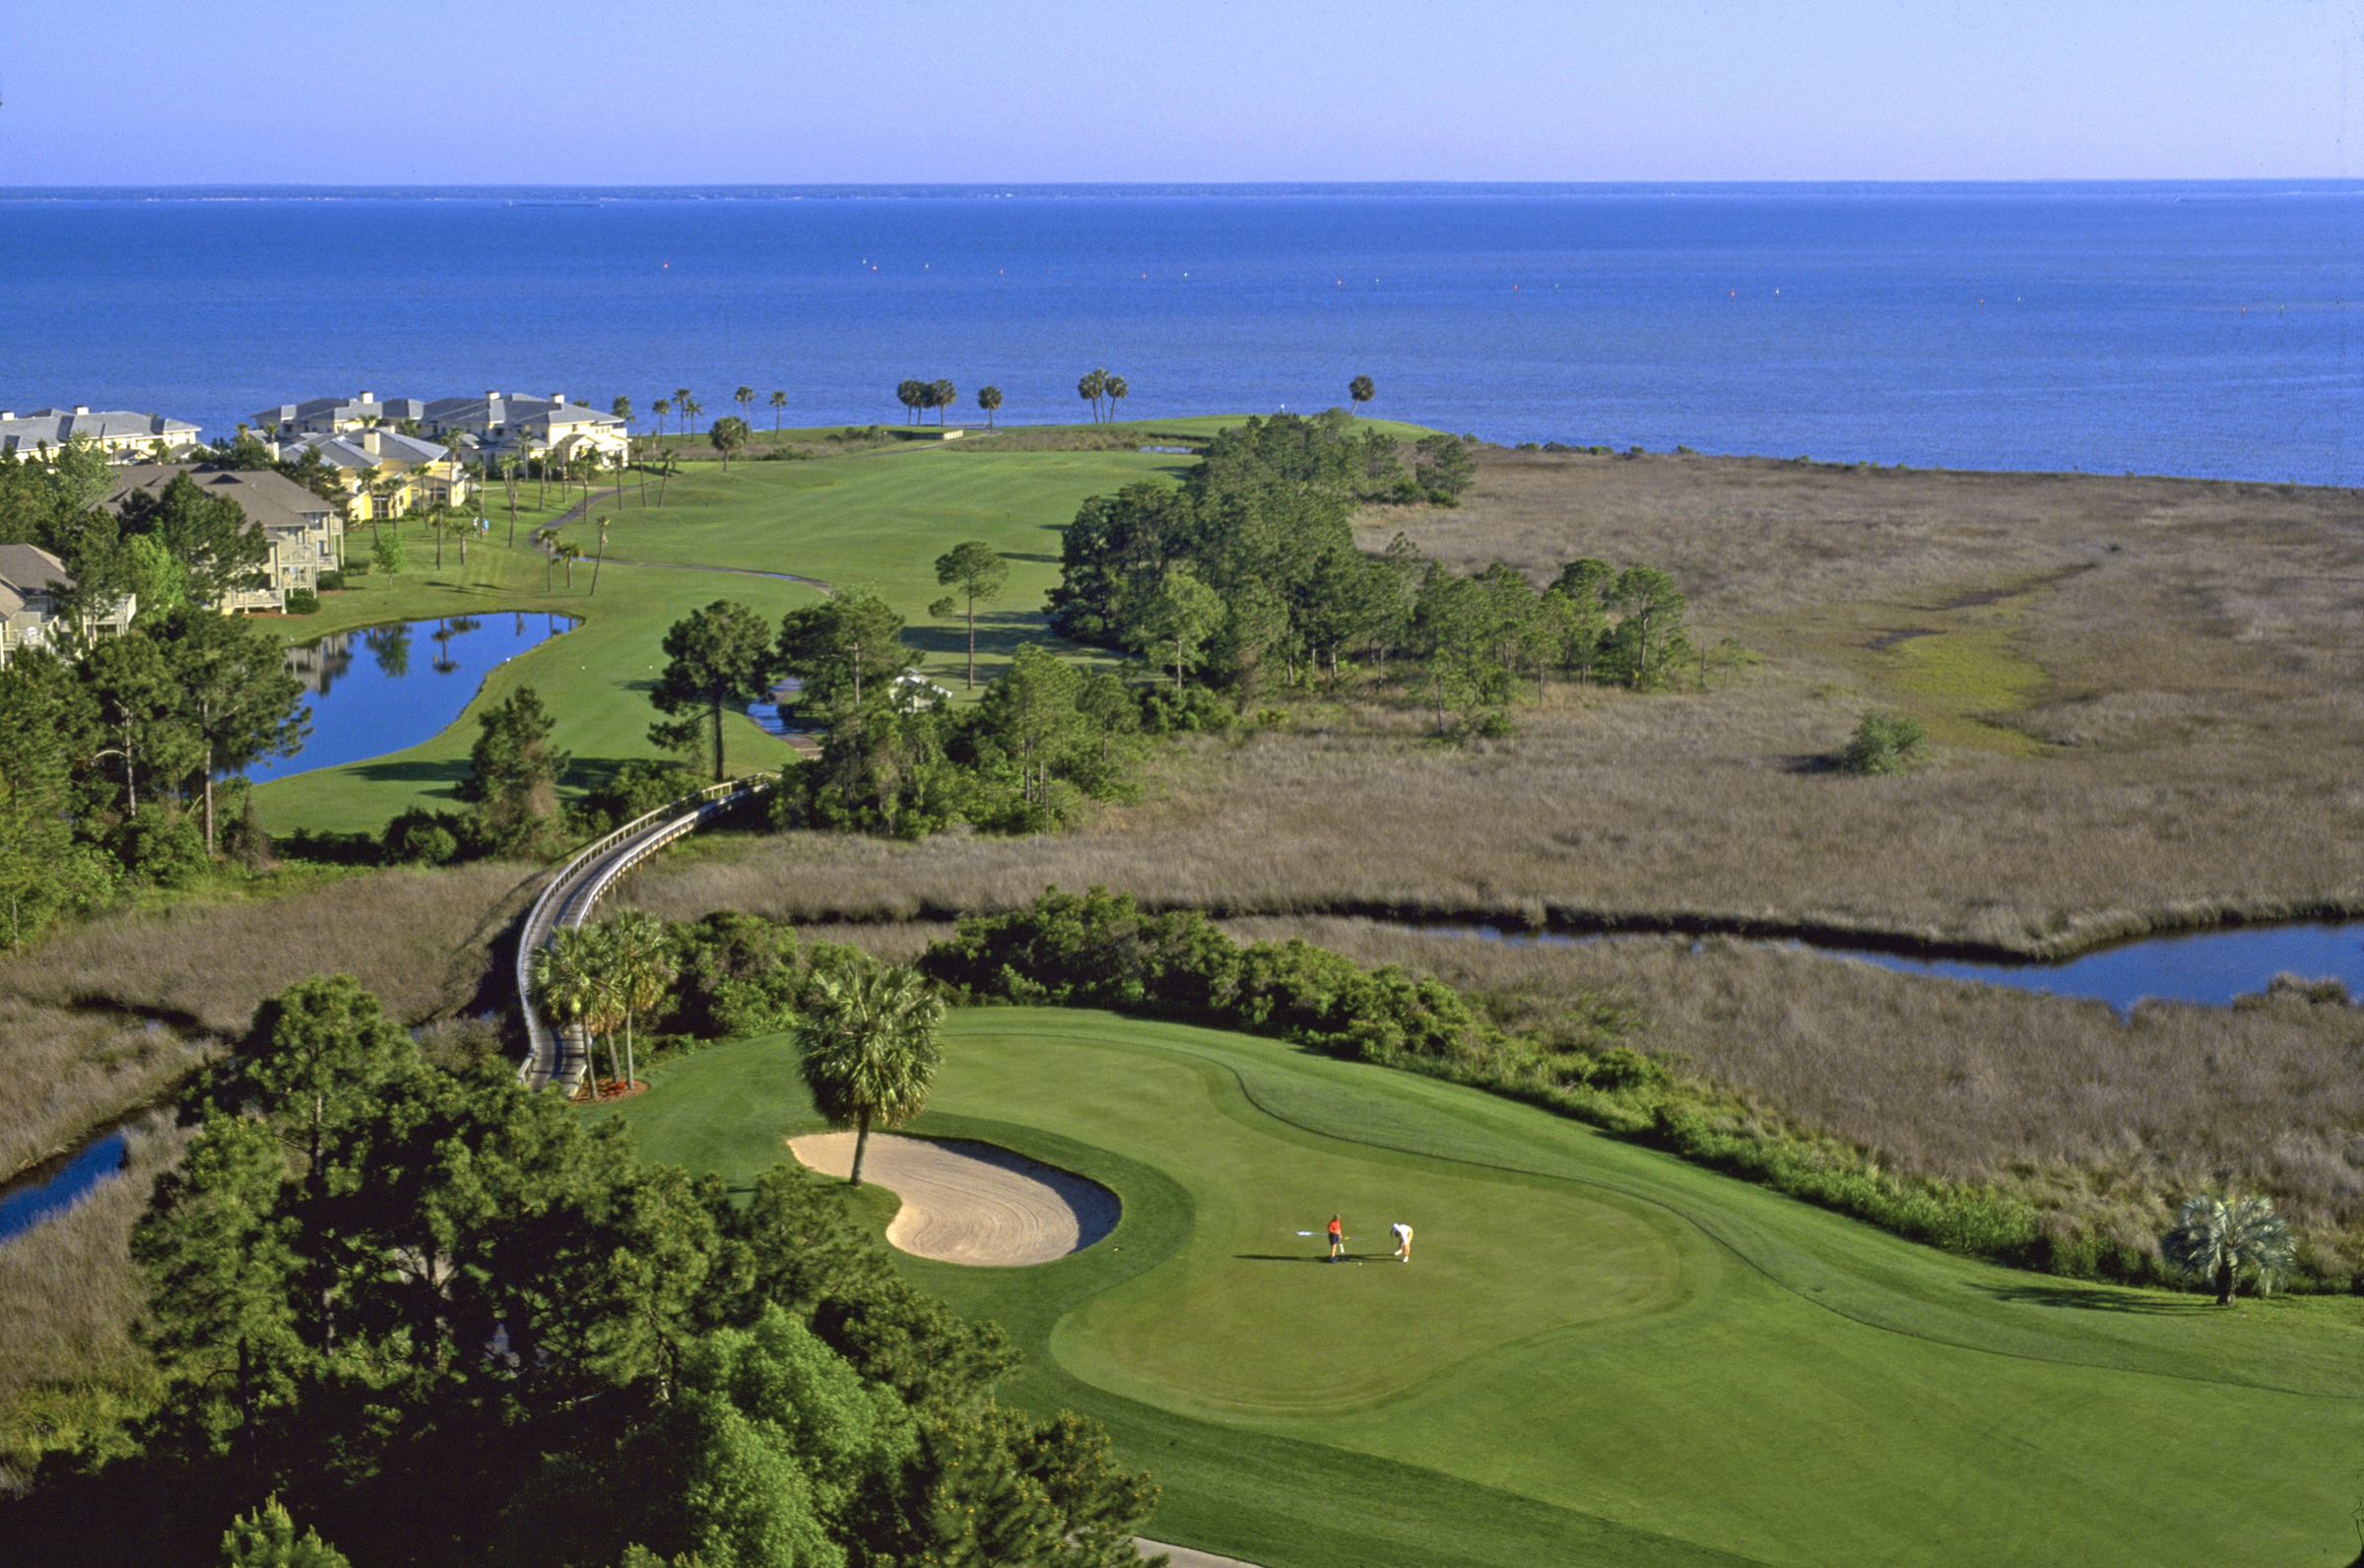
pixel 971 1203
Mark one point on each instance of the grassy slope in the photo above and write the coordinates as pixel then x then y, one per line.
pixel 878 518
pixel 1599 1355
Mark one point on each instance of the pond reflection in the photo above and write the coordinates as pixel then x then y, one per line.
pixel 400 694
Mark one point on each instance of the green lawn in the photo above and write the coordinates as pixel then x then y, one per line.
pixel 1599 1354
pixel 875 518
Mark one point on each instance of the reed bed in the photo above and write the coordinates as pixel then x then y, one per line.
pixel 107 1015
pixel 69 1294
pixel 2148 695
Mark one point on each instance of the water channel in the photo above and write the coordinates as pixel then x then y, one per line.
pixel 57 1185
pixel 2212 966
pixel 384 689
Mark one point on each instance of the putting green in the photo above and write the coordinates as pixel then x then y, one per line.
pixel 1599 1354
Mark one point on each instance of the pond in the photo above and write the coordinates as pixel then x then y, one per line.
pixel 2212 966
pixel 384 689
pixel 57 1185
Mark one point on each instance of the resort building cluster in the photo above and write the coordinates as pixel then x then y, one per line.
pixel 386 456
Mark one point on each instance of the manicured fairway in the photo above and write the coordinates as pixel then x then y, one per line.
pixel 877 519
pixel 1597 1354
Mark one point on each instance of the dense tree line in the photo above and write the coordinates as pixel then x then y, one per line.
pixel 1248 570
pixel 895 757
pixel 109 762
pixel 445 1321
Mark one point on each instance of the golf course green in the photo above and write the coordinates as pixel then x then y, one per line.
pixel 1597 1354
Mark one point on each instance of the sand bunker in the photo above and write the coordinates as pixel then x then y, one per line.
pixel 971 1203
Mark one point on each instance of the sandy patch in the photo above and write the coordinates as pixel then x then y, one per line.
pixel 971 1203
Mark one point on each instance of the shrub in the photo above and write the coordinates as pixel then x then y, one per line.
pixel 332 581
pixel 420 838
pixel 303 602
pixel 161 848
pixel 1193 710
pixel 636 789
pixel 1886 744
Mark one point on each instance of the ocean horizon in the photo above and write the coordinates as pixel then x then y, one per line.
pixel 2204 328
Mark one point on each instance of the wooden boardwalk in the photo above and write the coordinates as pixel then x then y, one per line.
pixel 562 1056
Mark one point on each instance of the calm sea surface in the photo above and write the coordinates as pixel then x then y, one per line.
pixel 2207 329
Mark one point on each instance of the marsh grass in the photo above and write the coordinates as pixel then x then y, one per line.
pixel 2146 694
pixel 69 1293
pixel 106 1016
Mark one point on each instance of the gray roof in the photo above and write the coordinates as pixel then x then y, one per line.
pixel 31 569
pixel 364 405
pixel 57 427
pixel 349 449
pixel 496 408
pixel 269 500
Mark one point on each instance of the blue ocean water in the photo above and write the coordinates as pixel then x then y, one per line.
pixel 2205 329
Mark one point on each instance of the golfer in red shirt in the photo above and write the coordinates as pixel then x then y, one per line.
pixel 1338 1239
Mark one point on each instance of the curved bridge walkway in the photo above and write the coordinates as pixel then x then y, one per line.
pixel 562 1056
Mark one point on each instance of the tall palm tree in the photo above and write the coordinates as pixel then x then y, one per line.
pixel 691 410
pixel 941 396
pixel 2221 1239
pixel 1361 391
pixel 870 1054
pixel 989 398
pixel 745 397
pixel 601 559
pixel 1094 383
pixel 1116 393
pixel 663 407
pixel 681 403
pixel 779 401
pixel 641 968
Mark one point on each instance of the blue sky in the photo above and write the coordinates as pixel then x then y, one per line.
pixel 790 92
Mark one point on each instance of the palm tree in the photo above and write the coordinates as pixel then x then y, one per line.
pixel 1361 390
pixel 1116 392
pixel 779 401
pixel 908 393
pixel 569 552
pixel 640 969
pixel 989 398
pixel 2221 1239
pixel 570 981
pixel 870 1052
pixel 940 395
pixel 691 410
pixel 745 397
pixel 663 407
pixel 546 541
pixel 599 560
pixel 1094 383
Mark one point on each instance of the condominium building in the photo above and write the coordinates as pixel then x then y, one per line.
pixel 33 586
pixel 306 534
pixel 122 436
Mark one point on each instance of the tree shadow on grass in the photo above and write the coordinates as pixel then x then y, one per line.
pixel 2098 1298
pixel 1309 1256
pixel 447 774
